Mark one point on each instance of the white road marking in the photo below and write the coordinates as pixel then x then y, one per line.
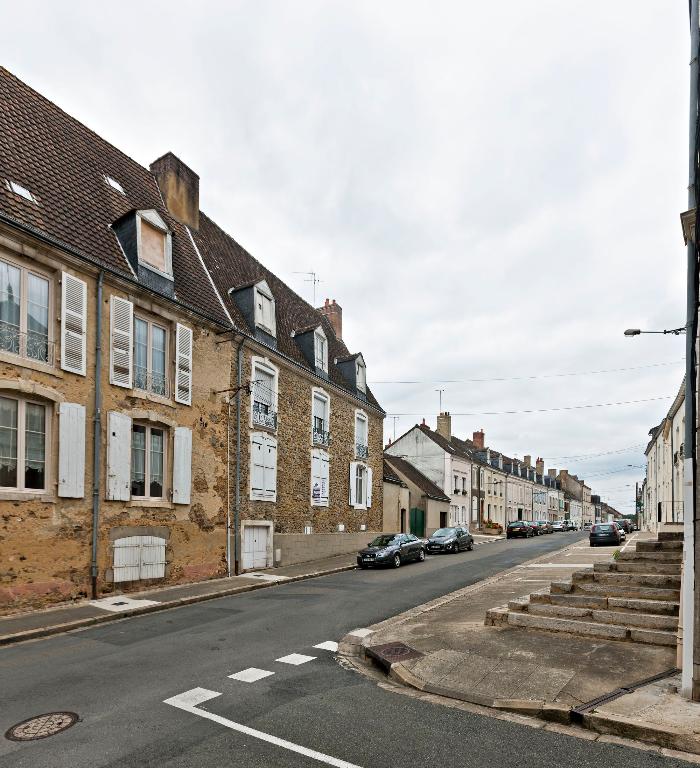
pixel 361 632
pixel 296 659
pixel 188 702
pixel 558 565
pixel 121 603
pixel 251 675
pixel 327 645
pixel 629 541
pixel 265 576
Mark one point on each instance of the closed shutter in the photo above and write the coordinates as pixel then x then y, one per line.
pixel 118 456
pixel 121 342
pixel 325 479
pixel 369 487
pixel 139 557
pixel 270 466
pixel 71 450
pixel 257 476
pixel 182 466
pixel 319 477
pixel 73 324
pixel 353 476
pixel 183 365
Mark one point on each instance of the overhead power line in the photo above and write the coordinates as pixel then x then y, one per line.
pixel 548 410
pixel 524 378
pixel 585 456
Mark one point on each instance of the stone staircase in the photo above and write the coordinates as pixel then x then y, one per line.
pixel 635 598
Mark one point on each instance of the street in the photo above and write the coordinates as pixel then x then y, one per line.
pixel 294 704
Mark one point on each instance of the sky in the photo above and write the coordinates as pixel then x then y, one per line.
pixel 491 191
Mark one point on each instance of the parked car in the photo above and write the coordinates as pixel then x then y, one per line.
pixel 604 533
pixel 391 549
pixel 451 539
pixel 571 525
pixel 623 535
pixel 626 525
pixel 544 526
pixel 558 526
pixel 519 528
pixel 587 526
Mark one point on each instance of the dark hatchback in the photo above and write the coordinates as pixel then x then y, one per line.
pixel 519 528
pixel 392 549
pixel 606 534
pixel 450 540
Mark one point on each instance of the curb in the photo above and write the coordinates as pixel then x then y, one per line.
pixel 57 629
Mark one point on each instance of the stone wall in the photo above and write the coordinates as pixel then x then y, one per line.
pixel 300 548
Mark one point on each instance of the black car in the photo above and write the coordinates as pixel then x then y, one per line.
pixel 604 533
pixel 391 549
pixel 450 540
pixel 519 528
pixel 626 525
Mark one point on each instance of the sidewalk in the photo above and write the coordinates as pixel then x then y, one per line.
pixel 27 626
pixel 445 648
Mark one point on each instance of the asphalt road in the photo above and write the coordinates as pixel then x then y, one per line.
pixel 118 676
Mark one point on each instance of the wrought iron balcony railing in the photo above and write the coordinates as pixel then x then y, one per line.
pixel 361 451
pixel 30 344
pixel 155 383
pixel 321 437
pixel 264 416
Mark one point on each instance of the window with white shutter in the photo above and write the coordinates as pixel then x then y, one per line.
pixel 360 497
pixel 118 456
pixel 265 308
pixel 121 335
pixel 183 365
pixel 182 466
pixel 263 467
pixel 71 450
pixel 368 490
pixel 353 487
pixel 73 324
pixel 270 459
pixel 319 478
pixel 139 557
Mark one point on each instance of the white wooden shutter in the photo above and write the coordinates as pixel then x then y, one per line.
pixel 121 342
pixel 182 466
pixel 315 477
pixel 369 487
pixel 73 324
pixel 325 467
pixel 71 450
pixel 118 456
pixel 270 467
pixel 353 475
pixel 257 472
pixel 183 364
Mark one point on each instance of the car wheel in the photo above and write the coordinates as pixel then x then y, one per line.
pixel 470 547
pixel 397 560
pixel 455 548
pixel 362 566
pixel 421 556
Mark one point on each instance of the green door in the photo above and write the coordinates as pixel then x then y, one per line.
pixel 417 521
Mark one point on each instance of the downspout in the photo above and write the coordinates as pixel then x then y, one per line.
pixel 228 487
pixel 237 509
pixel 97 435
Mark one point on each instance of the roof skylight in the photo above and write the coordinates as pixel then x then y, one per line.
pixel 114 184
pixel 18 189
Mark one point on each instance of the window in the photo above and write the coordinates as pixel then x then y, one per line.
pixel 263 474
pixel 147 461
pixel 464 485
pixel 265 308
pixel 361 441
pixel 24 313
pixel 360 375
pixel 154 242
pixel 320 418
pixel 150 351
pixel 360 485
pixel 18 189
pixel 360 481
pixel 319 478
pixel 474 476
pixel 22 444
pixel 456 486
pixel 321 350
pixel 264 398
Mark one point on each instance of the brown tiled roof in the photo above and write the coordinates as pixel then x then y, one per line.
pixel 63 164
pixel 389 476
pixel 416 477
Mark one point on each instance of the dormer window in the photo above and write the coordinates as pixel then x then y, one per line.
pixel 265 308
pixel 18 189
pixel 360 375
pixel 321 350
pixel 154 242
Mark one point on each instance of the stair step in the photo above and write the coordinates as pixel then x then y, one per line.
pixel 660 580
pixel 653 637
pixel 575 601
pixel 633 619
pixel 625 590
pixel 660 546
pixel 658 557
pixel 671 569
pixel 664 607
pixel 670 535
pixel 565 611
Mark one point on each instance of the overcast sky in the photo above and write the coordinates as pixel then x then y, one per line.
pixel 489 189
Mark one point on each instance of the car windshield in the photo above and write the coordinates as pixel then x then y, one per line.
pixel 383 541
pixel 515 524
pixel 445 532
pixel 601 528
pixel 541 522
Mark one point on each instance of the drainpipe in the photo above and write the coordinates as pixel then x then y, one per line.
pixel 228 487
pixel 237 509
pixel 97 435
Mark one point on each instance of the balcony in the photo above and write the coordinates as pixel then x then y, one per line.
pixel 361 451
pixel 153 383
pixel 264 416
pixel 31 345
pixel 321 437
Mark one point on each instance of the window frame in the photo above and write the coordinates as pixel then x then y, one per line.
pixel 321 454
pixel 152 218
pixel 320 394
pixel 255 496
pixel 360 375
pixel 264 364
pixel 361 503
pixel 263 289
pixel 361 416
pixel 21 456
pixel 149 427
pixel 320 337
pixel 168 391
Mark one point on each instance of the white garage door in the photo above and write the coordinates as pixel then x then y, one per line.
pixel 255 546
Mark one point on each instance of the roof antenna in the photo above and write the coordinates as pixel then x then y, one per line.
pixel 311 279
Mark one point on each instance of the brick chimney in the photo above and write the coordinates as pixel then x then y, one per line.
pixel 444 425
pixel 552 473
pixel 179 186
pixel 478 439
pixel 539 466
pixel 527 461
pixel 334 313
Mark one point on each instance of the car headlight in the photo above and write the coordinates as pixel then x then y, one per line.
pixel 449 541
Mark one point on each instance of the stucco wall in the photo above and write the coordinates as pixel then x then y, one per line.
pixel 396 498
pixel 300 548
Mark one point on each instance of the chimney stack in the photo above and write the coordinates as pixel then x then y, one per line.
pixel 478 438
pixel 334 313
pixel 539 465
pixel 444 425
pixel 552 473
pixel 527 461
pixel 179 186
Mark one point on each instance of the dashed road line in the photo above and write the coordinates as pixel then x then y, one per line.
pixel 189 700
pixel 251 675
pixel 327 645
pixel 296 659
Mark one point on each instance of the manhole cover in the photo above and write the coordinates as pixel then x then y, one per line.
pixel 392 653
pixel 41 726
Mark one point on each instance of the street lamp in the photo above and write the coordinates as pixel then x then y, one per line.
pixel 637 332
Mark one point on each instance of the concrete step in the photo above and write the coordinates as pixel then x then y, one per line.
pixel 622 604
pixel 665 607
pixel 624 590
pixel 671 569
pixel 624 619
pixel 590 629
pixel 660 546
pixel 670 536
pixel 656 557
pixel 615 578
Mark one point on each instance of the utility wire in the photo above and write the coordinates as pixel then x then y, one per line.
pixel 585 456
pixel 523 378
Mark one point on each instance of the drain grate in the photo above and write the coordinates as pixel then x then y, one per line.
pixel 391 653
pixel 41 726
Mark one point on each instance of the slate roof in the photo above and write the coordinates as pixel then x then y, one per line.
pixel 389 476
pixel 416 477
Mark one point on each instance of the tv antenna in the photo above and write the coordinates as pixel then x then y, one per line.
pixel 311 278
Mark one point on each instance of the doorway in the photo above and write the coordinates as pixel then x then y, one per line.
pixel 255 546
